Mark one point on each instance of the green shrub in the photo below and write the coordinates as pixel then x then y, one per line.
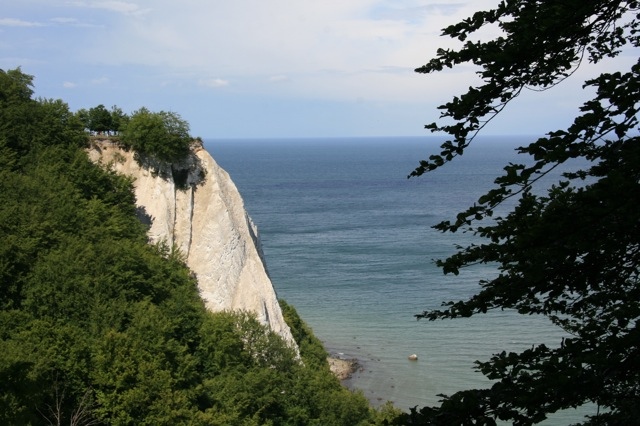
pixel 161 135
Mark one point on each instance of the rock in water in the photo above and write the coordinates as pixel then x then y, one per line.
pixel 195 206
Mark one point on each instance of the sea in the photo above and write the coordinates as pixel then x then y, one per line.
pixel 349 242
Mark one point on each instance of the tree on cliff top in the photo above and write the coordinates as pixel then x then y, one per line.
pixel 100 119
pixel 163 135
pixel 572 252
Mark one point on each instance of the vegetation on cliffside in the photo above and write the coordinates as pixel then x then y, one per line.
pixel 565 248
pixel 99 327
pixel 164 135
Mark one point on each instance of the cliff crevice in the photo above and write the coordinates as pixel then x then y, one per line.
pixel 195 206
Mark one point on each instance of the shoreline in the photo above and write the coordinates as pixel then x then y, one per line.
pixel 343 368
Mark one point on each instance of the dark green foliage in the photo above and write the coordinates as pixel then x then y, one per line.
pixel 16 88
pixel 258 380
pixel 100 120
pixel 118 119
pixel 99 327
pixel 83 116
pixel 311 349
pixel 27 124
pixel 161 135
pixel 572 252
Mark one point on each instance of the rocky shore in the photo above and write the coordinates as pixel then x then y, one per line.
pixel 342 368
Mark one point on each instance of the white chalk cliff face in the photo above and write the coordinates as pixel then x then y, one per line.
pixel 204 216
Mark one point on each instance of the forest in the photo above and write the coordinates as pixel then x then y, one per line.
pixel 99 327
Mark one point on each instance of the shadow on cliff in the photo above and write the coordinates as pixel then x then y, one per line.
pixel 186 173
pixel 143 216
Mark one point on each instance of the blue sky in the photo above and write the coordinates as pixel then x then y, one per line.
pixel 262 68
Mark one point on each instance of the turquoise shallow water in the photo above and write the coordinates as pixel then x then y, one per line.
pixel 348 241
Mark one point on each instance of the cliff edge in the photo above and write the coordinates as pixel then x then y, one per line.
pixel 195 206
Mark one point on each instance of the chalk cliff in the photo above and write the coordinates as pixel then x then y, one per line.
pixel 195 206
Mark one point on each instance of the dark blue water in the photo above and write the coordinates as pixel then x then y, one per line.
pixel 348 241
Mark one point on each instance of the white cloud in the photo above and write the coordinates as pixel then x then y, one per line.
pixel 330 50
pixel 333 50
pixel 278 78
pixel 125 8
pixel 61 20
pixel 213 83
pixel 100 81
pixel 68 85
pixel 408 12
pixel 247 38
pixel 11 22
pixel 73 22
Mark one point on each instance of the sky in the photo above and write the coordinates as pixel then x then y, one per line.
pixel 263 68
